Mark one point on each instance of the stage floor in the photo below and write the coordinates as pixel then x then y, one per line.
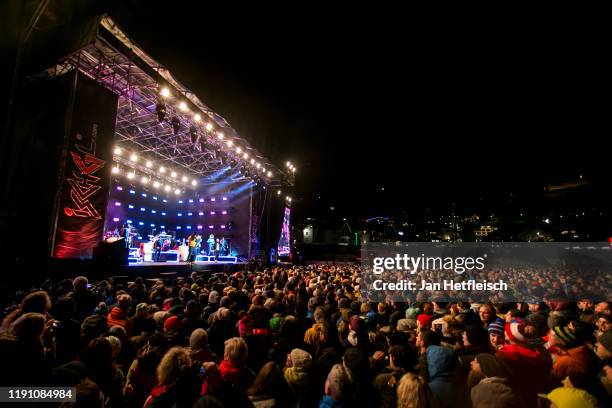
pixel 143 264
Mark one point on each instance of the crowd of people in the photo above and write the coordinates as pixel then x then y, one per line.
pixel 301 336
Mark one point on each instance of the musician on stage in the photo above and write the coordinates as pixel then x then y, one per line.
pixel 157 247
pixel 224 247
pixel 217 249
pixel 211 244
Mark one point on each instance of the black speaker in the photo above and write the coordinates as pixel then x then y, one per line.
pixel 111 253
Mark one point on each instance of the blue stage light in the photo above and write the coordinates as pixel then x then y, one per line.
pixel 142 209
pixel 132 192
pixel 180 201
pixel 164 200
pixel 178 227
pixel 189 227
pixel 153 211
pixel 179 214
pixel 144 194
pixel 130 206
pixel 141 223
pixel 190 214
pixel 155 198
pixel 128 221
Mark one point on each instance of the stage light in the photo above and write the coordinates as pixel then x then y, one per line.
pixel 201 200
pixel 189 214
pixel 219 135
pixel 194 183
pixel 130 175
pixel 224 198
pixel 288 164
pixel 132 192
pixel 190 200
pixel 144 180
pixel 180 201
pixel 288 198
pixel 177 191
pixel 209 127
pixel 183 106
pixel 224 212
pixel 193 134
pixel 167 188
pixel 163 213
pixel 223 226
pixel 162 169
pixel 252 161
pixel 144 195
pixel 176 124
pixel 185 179
pixel 179 214
pixel 156 184
pixel 212 213
pixel 293 169
pixel 151 225
pixel 213 199
pixel 160 108
pixel 117 204
pixel 134 157
pixel 278 192
pixel 155 198
pixel 211 227
pixel 258 165
pixel 188 227
pixel 115 170
pixel 201 213
pixel 229 143
pixel 119 188
pixel 238 150
pixel 143 209
pixel 246 156
pixel 269 174
pixel 165 92
pixel 173 174
pixel 130 206
pixel 116 219
pixel 128 221
pixel 197 117
pixel 140 223
pixel 199 227
pixel 117 151
pixel 153 212
pixel 149 164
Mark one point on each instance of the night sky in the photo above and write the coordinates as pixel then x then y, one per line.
pixel 378 115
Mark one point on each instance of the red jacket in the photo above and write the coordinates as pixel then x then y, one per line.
pixel 119 317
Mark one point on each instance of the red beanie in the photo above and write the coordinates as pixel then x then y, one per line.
pixel 424 319
pixel 172 323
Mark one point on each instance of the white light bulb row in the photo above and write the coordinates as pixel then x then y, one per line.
pixel 149 164
pixel 291 167
pixel 131 175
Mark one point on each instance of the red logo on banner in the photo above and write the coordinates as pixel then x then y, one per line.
pixel 83 185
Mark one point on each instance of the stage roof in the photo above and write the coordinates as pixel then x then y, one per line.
pixel 189 134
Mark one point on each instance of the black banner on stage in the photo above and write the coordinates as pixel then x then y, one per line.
pixel 84 169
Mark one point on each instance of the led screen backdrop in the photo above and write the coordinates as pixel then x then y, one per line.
pixel 284 243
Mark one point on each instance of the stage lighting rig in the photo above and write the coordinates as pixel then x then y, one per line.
pixel 176 124
pixel 193 133
pixel 161 111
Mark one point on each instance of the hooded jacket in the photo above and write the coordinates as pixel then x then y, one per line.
pixel 440 361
